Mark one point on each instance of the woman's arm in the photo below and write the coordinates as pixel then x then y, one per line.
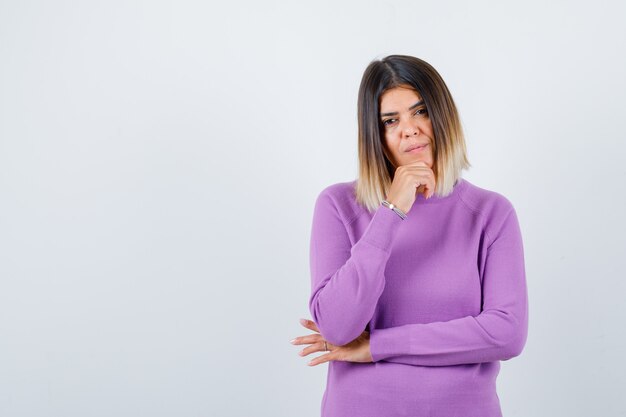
pixel 499 332
pixel 346 280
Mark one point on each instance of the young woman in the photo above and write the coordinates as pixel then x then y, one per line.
pixel 418 277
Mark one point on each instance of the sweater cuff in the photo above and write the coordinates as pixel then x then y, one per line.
pixel 383 228
pixel 388 342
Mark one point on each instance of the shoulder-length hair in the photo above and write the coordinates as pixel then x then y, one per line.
pixel 449 152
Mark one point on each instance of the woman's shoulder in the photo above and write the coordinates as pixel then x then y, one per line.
pixel 341 190
pixel 485 202
pixel 341 197
pixel 492 206
pixel 483 199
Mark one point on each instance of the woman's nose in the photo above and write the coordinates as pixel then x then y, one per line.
pixel 410 130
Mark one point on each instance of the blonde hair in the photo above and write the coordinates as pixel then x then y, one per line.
pixel 449 151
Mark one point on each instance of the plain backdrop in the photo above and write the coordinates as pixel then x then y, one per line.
pixel 159 162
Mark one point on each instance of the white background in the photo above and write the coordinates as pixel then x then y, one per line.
pixel 159 162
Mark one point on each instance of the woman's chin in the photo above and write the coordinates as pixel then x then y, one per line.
pixel 418 159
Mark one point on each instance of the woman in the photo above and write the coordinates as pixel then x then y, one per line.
pixel 418 277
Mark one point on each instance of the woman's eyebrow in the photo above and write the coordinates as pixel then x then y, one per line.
pixel 419 103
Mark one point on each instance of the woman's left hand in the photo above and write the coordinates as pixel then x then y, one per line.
pixel 356 351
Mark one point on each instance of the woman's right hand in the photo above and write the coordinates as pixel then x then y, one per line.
pixel 408 180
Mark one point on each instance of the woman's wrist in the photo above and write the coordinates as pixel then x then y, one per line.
pixel 391 206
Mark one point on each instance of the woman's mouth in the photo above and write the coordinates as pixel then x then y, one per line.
pixel 418 149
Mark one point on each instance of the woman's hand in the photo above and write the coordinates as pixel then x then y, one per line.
pixel 356 351
pixel 408 181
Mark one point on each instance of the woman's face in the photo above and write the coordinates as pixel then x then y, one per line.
pixel 406 126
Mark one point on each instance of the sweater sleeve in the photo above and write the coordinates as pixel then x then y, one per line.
pixel 347 280
pixel 499 332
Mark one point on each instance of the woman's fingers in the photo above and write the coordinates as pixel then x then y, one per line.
pixel 424 177
pixel 307 340
pixel 321 359
pixel 309 324
pixel 316 347
pixel 356 351
pixel 409 179
pixel 316 342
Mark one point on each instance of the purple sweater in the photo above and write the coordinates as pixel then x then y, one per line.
pixel 442 293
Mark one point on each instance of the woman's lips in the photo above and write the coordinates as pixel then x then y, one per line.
pixel 418 149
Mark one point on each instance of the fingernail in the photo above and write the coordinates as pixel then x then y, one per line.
pixel 303 321
pixel 292 341
pixel 310 363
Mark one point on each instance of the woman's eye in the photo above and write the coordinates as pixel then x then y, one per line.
pixel 389 122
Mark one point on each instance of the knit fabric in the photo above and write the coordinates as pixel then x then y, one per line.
pixel 442 293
